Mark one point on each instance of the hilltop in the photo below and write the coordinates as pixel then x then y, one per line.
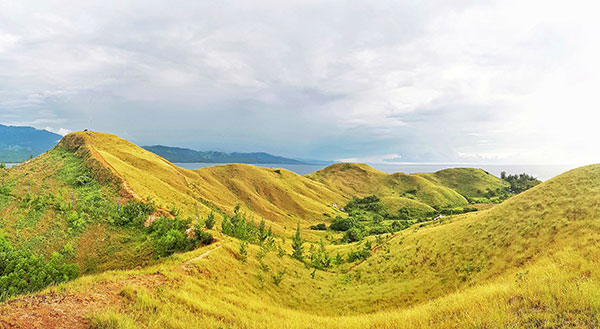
pixel 18 144
pixel 529 262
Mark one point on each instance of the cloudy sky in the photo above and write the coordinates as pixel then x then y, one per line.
pixel 379 81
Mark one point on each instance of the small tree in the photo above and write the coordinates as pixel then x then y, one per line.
pixel 210 221
pixel 297 248
pixel 338 259
pixel 262 231
pixel 278 277
pixel 243 251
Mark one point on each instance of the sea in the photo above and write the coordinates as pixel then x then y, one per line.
pixel 541 172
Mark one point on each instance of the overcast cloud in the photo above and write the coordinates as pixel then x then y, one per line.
pixel 378 81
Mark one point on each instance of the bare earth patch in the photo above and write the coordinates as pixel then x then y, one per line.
pixel 69 309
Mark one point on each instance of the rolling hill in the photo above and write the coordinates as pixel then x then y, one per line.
pixel 530 262
pixel 513 260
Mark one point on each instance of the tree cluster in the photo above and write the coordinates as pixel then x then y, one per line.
pixel 23 272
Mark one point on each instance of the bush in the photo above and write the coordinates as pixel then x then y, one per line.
pixel 399 225
pixel 202 237
pixel 168 236
pixel 83 180
pixel 344 224
pixel 23 272
pixel 277 278
pixel 135 213
pixel 237 227
pixel 243 251
pixel 75 222
pixel 360 255
pixel 352 235
pixel 319 227
pixel 370 203
pixel 169 243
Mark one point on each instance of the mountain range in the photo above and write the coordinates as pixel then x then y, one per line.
pixel 18 144
pixel 184 155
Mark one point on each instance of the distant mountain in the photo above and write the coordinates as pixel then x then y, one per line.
pixel 183 155
pixel 17 144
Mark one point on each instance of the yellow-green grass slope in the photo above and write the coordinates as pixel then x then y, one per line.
pixel 529 262
pixel 396 190
pixel 43 208
pixel 469 182
pixel 123 172
pixel 277 195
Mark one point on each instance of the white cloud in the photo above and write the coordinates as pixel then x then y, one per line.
pixel 435 81
pixel 60 131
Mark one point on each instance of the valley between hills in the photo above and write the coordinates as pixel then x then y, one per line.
pixel 101 233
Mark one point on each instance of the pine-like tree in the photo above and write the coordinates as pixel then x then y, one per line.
pixel 210 221
pixel 297 248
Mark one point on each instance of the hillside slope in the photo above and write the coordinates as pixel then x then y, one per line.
pixel 469 182
pixel 66 198
pixel 529 262
pixel 279 196
pixel 351 179
pixel 61 202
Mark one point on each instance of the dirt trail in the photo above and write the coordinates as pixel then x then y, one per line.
pixel 70 309
pixel 186 264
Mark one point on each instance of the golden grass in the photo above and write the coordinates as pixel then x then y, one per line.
pixel 282 197
pixel 351 179
pixel 469 182
pixel 529 262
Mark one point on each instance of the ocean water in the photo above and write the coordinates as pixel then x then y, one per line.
pixel 542 172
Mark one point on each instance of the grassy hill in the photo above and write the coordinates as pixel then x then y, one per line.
pixel 518 260
pixel 349 179
pixel 469 182
pixel 529 262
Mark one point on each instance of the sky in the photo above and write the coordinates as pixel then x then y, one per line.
pixel 368 81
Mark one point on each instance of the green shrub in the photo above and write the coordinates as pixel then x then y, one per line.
pixel 352 235
pixel 75 222
pixel 168 236
pixel 243 251
pixel 344 224
pixel 277 278
pixel 23 272
pixel 202 237
pixel 134 213
pixel 209 223
pixel 370 203
pixel 319 227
